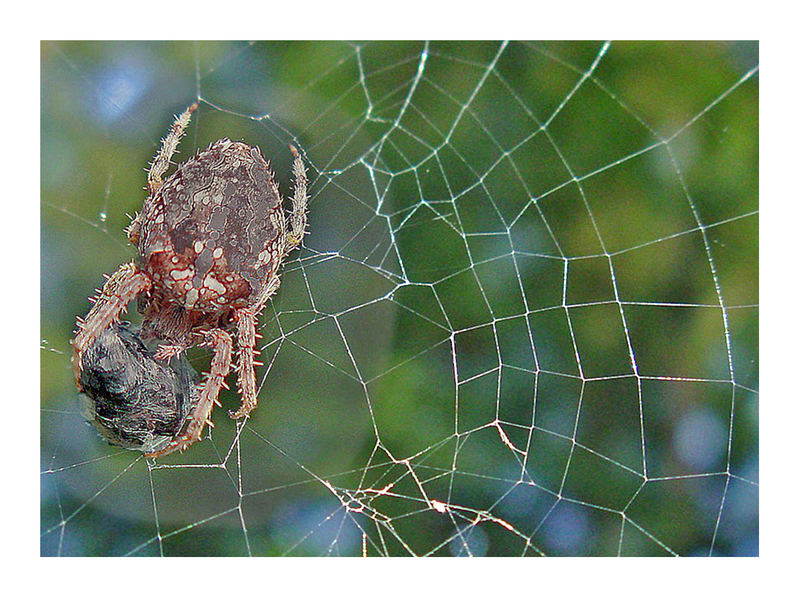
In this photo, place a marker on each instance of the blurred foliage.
(489, 243)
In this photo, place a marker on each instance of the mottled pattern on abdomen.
(211, 235)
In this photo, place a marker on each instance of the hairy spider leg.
(246, 320)
(222, 345)
(159, 166)
(169, 144)
(120, 289)
(298, 220)
(246, 339)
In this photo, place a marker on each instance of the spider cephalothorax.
(211, 239)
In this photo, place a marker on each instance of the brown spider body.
(211, 239)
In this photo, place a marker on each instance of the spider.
(211, 239)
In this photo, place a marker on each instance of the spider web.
(524, 321)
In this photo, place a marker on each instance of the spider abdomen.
(214, 233)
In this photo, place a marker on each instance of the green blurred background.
(524, 320)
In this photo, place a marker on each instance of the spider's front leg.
(158, 167)
(120, 289)
(222, 344)
(299, 218)
(169, 144)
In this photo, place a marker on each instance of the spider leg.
(120, 289)
(169, 144)
(246, 320)
(298, 219)
(167, 352)
(246, 338)
(222, 344)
